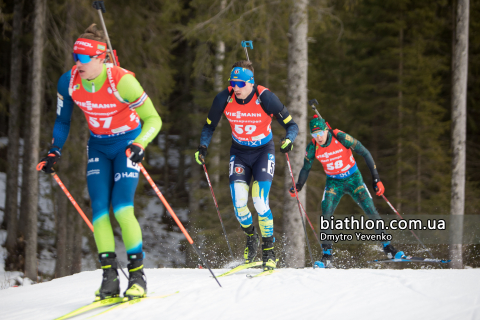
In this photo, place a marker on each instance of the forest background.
(380, 69)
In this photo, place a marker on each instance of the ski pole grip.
(313, 102)
(41, 165)
(247, 44)
(99, 5)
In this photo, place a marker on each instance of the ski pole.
(75, 204)
(313, 229)
(245, 45)
(218, 211)
(174, 216)
(300, 211)
(398, 214)
(69, 196)
(100, 7)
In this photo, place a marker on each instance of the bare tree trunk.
(400, 124)
(297, 106)
(11, 201)
(32, 183)
(194, 181)
(459, 119)
(62, 203)
(219, 86)
(419, 179)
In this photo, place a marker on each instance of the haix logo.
(328, 154)
(239, 114)
(129, 174)
(89, 105)
(118, 175)
(83, 43)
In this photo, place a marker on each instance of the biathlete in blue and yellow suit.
(249, 109)
(333, 148)
(113, 103)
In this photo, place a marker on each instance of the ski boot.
(253, 241)
(110, 286)
(326, 261)
(137, 282)
(391, 252)
(268, 256)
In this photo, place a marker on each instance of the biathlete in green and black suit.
(333, 148)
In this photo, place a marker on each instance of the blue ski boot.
(391, 252)
(326, 261)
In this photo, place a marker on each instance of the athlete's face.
(320, 138)
(242, 93)
(90, 70)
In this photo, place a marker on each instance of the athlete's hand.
(286, 146)
(46, 164)
(378, 186)
(135, 152)
(200, 155)
(292, 191)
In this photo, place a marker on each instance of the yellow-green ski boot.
(137, 282)
(268, 255)
(253, 241)
(110, 286)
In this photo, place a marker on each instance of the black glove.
(200, 155)
(46, 164)
(298, 187)
(136, 153)
(286, 146)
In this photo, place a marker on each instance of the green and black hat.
(317, 124)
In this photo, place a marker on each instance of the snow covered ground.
(288, 294)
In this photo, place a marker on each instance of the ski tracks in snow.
(338, 294)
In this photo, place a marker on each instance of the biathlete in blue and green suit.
(113, 103)
(249, 110)
(333, 148)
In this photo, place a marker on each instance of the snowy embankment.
(288, 294)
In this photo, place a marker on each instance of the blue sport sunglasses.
(318, 133)
(239, 84)
(83, 58)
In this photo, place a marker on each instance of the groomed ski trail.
(290, 294)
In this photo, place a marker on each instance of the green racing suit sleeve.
(130, 90)
(307, 164)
